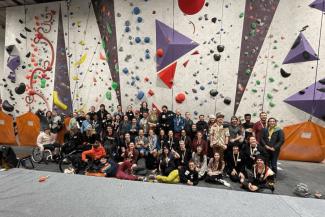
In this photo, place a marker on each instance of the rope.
(317, 66)
(266, 73)
(220, 43)
(172, 51)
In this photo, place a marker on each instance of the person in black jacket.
(272, 139)
(189, 175)
(110, 143)
(183, 155)
(252, 150)
(236, 165)
(202, 126)
(167, 162)
(102, 113)
(165, 120)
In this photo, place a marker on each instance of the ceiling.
(12, 3)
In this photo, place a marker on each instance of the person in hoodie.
(236, 165)
(95, 153)
(272, 138)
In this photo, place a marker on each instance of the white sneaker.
(225, 183)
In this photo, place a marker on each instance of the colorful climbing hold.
(136, 10)
(140, 95)
(114, 85)
(180, 98)
(160, 52)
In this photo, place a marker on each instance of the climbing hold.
(125, 70)
(302, 92)
(139, 19)
(284, 73)
(147, 56)
(10, 48)
(202, 87)
(247, 71)
(43, 82)
(321, 89)
(108, 95)
(160, 52)
(216, 57)
(167, 74)
(58, 102)
(220, 48)
(150, 92)
(7, 106)
(137, 40)
(214, 20)
(180, 98)
(322, 81)
(20, 89)
(227, 100)
(114, 85)
(241, 15)
(214, 92)
(140, 95)
(190, 7)
(253, 25)
(80, 61)
(13, 62)
(127, 29)
(136, 10)
(146, 40)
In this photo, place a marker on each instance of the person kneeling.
(215, 169)
(262, 177)
(186, 175)
(236, 165)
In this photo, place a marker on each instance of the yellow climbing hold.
(57, 101)
(81, 61)
(75, 78)
(82, 43)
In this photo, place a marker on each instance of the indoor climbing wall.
(91, 82)
(286, 65)
(169, 58)
(29, 58)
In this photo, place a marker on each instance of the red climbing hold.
(167, 74)
(180, 97)
(160, 52)
(190, 7)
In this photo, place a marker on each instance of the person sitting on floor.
(215, 169)
(261, 178)
(131, 154)
(236, 165)
(95, 153)
(186, 175)
(183, 155)
(200, 160)
(166, 163)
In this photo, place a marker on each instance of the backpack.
(8, 157)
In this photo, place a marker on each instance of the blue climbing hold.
(127, 29)
(147, 56)
(132, 83)
(147, 50)
(140, 95)
(146, 39)
(137, 39)
(139, 19)
(125, 70)
(136, 10)
(137, 78)
(202, 87)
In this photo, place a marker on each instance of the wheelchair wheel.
(65, 164)
(37, 155)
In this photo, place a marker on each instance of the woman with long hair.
(215, 169)
(200, 160)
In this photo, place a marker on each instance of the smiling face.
(216, 156)
(263, 116)
(259, 162)
(271, 122)
(191, 165)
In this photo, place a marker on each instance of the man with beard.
(251, 151)
(259, 126)
(166, 119)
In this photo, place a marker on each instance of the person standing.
(272, 138)
(219, 136)
(259, 126)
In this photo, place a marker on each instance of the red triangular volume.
(167, 74)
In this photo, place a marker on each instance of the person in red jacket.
(95, 153)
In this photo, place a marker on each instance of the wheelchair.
(46, 155)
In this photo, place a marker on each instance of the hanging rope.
(266, 72)
(314, 106)
(173, 52)
(220, 43)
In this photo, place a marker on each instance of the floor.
(290, 174)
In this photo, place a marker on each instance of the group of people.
(165, 146)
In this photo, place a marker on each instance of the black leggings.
(213, 179)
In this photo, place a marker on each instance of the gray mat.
(21, 195)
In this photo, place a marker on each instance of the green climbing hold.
(103, 44)
(114, 85)
(254, 90)
(276, 66)
(252, 32)
(116, 68)
(241, 15)
(269, 96)
(258, 82)
(271, 104)
(271, 79)
(254, 114)
(253, 25)
(43, 82)
(109, 29)
(247, 71)
(108, 95)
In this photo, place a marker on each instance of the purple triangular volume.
(107, 28)
(173, 43)
(61, 80)
(318, 4)
(303, 100)
(252, 40)
(301, 51)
